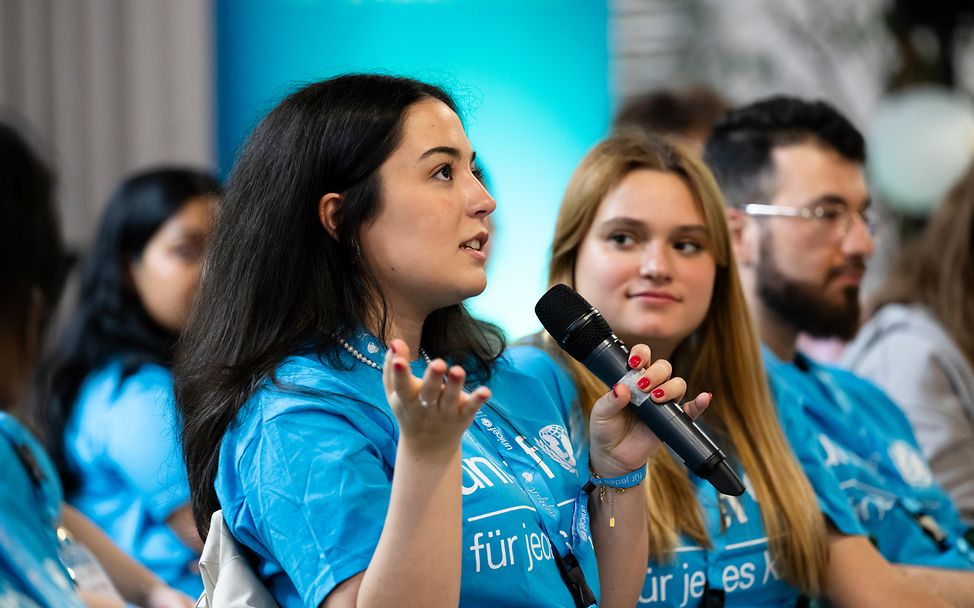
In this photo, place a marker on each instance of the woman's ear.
(327, 210)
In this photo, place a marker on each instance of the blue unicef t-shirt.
(870, 448)
(306, 468)
(122, 440)
(31, 573)
(739, 567)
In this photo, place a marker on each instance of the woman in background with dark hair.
(110, 416)
(31, 273)
(350, 236)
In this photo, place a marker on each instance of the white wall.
(108, 86)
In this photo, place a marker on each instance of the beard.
(802, 305)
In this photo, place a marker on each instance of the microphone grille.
(561, 306)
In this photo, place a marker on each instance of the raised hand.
(432, 413)
(620, 442)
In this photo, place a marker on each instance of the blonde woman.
(642, 235)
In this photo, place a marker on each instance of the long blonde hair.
(937, 270)
(722, 357)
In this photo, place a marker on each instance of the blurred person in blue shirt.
(110, 414)
(798, 209)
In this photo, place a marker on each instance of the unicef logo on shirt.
(553, 441)
(910, 464)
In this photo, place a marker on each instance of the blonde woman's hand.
(432, 414)
(620, 442)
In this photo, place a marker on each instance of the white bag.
(228, 579)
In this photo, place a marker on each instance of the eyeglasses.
(833, 218)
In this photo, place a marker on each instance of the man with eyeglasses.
(798, 210)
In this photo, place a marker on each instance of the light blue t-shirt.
(31, 573)
(739, 567)
(870, 448)
(123, 442)
(305, 475)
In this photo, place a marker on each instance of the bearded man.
(798, 209)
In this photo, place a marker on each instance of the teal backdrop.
(531, 76)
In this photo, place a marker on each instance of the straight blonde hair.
(722, 357)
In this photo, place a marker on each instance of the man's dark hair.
(738, 150)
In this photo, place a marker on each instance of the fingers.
(402, 382)
(432, 385)
(639, 356)
(612, 402)
(397, 348)
(440, 389)
(671, 390)
(697, 406)
(453, 388)
(656, 379)
(475, 400)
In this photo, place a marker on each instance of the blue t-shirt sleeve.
(831, 498)
(314, 477)
(143, 441)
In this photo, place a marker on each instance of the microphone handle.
(667, 420)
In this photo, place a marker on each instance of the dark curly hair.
(738, 150)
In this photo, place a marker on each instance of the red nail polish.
(392, 347)
(399, 366)
(614, 392)
(642, 382)
(635, 361)
(658, 393)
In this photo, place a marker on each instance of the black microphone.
(580, 330)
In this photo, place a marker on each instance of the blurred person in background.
(32, 270)
(641, 234)
(798, 209)
(684, 114)
(110, 415)
(918, 345)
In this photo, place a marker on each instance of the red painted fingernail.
(658, 393)
(635, 361)
(642, 382)
(614, 392)
(392, 347)
(399, 366)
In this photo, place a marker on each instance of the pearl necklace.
(365, 360)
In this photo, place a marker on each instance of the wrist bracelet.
(622, 482)
(618, 484)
